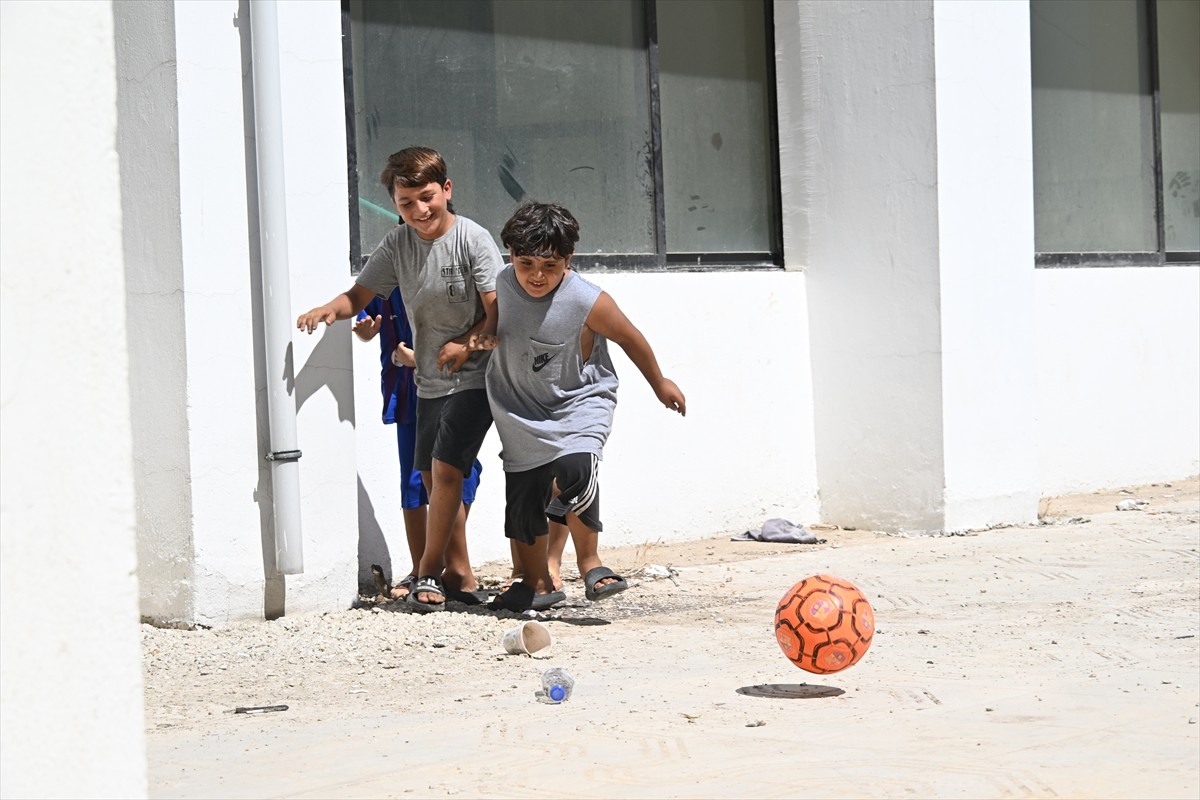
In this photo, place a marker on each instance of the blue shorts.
(412, 490)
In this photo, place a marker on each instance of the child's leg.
(412, 505)
(456, 552)
(577, 500)
(458, 573)
(587, 550)
(450, 431)
(445, 505)
(525, 526)
(515, 574)
(414, 532)
(555, 548)
(554, 554)
(532, 560)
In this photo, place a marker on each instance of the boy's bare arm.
(344, 306)
(455, 352)
(485, 338)
(610, 322)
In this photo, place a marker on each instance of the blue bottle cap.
(558, 693)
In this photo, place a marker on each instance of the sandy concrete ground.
(1053, 661)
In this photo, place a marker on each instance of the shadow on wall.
(326, 359)
(372, 547)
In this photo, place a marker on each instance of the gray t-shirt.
(440, 282)
(546, 400)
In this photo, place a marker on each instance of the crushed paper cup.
(529, 638)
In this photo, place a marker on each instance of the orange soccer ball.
(824, 624)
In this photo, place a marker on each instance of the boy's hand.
(403, 356)
(452, 356)
(670, 396)
(483, 341)
(309, 320)
(367, 327)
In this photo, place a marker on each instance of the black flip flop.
(598, 574)
(475, 598)
(521, 597)
(518, 597)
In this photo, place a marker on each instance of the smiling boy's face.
(424, 208)
(539, 275)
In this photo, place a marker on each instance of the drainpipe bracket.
(284, 455)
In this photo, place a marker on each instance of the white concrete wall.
(985, 254)
(211, 347)
(735, 342)
(70, 663)
(1118, 376)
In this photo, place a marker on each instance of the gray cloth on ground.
(777, 530)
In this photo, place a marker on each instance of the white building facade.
(919, 344)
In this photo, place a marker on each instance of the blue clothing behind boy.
(396, 382)
(400, 400)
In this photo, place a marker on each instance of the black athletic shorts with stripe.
(530, 497)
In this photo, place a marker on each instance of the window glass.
(1179, 104)
(554, 101)
(715, 108)
(574, 115)
(1093, 138)
(525, 99)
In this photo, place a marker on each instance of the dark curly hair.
(541, 229)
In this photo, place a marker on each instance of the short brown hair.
(413, 167)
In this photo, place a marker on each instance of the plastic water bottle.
(557, 684)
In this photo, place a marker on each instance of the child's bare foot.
(401, 590)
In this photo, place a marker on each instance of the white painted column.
(71, 721)
(985, 255)
(907, 172)
(148, 132)
(863, 121)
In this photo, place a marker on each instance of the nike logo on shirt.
(541, 360)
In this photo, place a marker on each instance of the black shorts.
(451, 429)
(530, 497)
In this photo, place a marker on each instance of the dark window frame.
(1157, 258)
(661, 260)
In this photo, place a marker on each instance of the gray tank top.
(546, 400)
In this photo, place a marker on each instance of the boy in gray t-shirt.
(553, 390)
(445, 267)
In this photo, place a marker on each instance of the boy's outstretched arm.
(344, 306)
(610, 322)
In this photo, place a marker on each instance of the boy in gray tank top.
(553, 390)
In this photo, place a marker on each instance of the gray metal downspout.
(277, 302)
